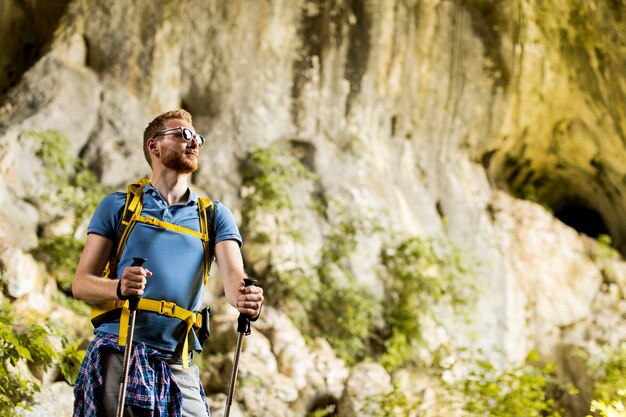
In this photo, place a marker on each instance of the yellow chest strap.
(166, 308)
(171, 226)
(132, 215)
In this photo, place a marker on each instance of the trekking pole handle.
(133, 305)
(249, 281)
(133, 300)
(243, 322)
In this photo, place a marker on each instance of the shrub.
(326, 299)
(72, 190)
(608, 368)
(61, 255)
(420, 274)
(345, 311)
(332, 303)
(269, 175)
(29, 343)
(520, 390)
(76, 190)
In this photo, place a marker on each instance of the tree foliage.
(609, 390)
(28, 346)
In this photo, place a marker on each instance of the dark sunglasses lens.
(187, 135)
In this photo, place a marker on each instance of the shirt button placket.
(167, 215)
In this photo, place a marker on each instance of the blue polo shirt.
(176, 260)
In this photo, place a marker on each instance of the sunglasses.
(187, 134)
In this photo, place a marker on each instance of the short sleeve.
(107, 216)
(225, 225)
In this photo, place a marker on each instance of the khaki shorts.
(188, 381)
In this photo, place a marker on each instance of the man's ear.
(152, 147)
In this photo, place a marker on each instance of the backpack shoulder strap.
(132, 209)
(206, 211)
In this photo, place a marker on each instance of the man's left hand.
(249, 300)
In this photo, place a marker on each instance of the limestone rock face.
(20, 271)
(499, 125)
(556, 278)
(25, 29)
(367, 382)
(53, 400)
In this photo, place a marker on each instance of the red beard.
(180, 162)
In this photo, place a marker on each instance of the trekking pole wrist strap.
(118, 292)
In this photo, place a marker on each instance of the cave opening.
(570, 193)
(581, 217)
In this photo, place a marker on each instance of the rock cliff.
(499, 126)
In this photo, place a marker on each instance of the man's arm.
(88, 284)
(247, 300)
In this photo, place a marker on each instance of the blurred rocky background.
(431, 192)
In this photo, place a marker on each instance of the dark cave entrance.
(587, 202)
(586, 220)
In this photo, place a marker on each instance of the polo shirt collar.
(193, 197)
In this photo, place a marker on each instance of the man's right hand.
(133, 281)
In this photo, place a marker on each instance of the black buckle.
(204, 331)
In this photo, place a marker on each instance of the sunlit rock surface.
(427, 118)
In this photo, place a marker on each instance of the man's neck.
(172, 186)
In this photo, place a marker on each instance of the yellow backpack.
(130, 216)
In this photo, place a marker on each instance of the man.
(174, 272)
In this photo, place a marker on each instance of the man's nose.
(195, 142)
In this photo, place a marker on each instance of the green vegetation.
(71, 191)
(605, 249)
(73, 188)
(328, 410)
(327, 299)
(270, 175)
(395, 403)
(608, 369)
(70, 360)
(529, 192)
(423, 280)
(526, 389)
(344, 311)
(616, 408)
(520, 390)
(420, 275)
(28, 343)
(61, 255)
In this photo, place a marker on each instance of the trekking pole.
(243, 329)
(133, 304)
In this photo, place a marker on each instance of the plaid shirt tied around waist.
(151, 384)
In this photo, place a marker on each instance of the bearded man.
(167, 232)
